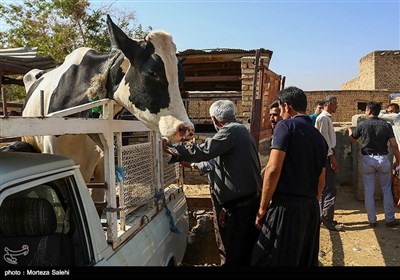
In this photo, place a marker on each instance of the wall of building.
(378, 70)
(387, 70)
(349, 101)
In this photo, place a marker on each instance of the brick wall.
(248, 68)
(378, 70)
(348, 101)
(387, 70)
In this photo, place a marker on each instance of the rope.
(172, 225)
(98, 84)
(96, 109)
(119, 174)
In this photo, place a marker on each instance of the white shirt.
(325, 125)
(394, 120)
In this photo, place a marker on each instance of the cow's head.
(150, 87)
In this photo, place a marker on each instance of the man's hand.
(334, 163)
(350, 130)
(260, 217)
(186, 164)
(166, 148)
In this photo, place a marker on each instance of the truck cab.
(48, 217)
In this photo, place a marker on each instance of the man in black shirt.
(289, 213)
(375, 134)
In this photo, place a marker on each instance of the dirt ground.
(357, 245)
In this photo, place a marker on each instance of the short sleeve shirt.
(306, 151)
(375, 133)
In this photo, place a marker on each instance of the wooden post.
(257, 98)
(4, 100)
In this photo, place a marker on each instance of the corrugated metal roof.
(222, 51)
(21, 60)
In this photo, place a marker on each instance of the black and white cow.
(142, 76)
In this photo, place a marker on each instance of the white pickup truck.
(48, 217)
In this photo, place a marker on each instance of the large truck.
(48, 216)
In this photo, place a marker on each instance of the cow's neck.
(103, 84)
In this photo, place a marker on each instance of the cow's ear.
(182, 59)
(119, 40)
(181, 71)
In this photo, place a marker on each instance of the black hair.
(374, 107)
(395, 105)
(274, 104)
(294, 97)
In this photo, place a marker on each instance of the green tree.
(57, 27)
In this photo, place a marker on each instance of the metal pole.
(42, 103)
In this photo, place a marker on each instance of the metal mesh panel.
(139, 175)
(170, 171)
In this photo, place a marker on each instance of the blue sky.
(316, 44)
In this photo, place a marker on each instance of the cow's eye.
(152, 73)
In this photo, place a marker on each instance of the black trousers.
(328, 198)
(237, 237)
(290, 233)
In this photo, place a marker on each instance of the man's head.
(292, 100)
(373, 109)
(319, 106)
(222, 112)
(330, 104)
(274, 113)
(392, 108)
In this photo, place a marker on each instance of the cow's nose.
(191, 132)
(186, 131)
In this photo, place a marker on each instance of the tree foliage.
(57, 27)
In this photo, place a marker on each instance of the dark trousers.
(237, 237)
(290, 233)
(328, 197)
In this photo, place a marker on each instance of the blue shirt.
(313, 117)
(306, 151)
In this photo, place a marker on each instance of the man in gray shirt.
(236, 182)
